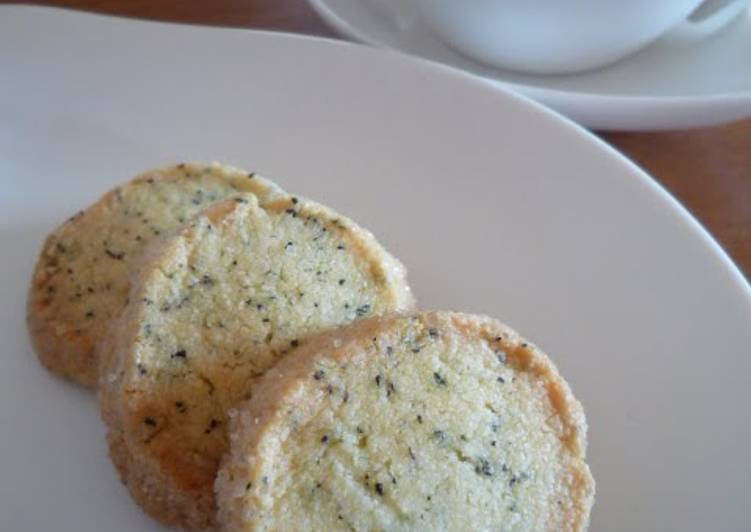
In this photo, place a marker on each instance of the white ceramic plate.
(674, 83)
(496, 205)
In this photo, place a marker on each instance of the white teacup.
(559, 36)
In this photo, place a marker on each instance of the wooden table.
(709, 170)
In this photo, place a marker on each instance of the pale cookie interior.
(426, 423)
(219, 304)
(82, 278)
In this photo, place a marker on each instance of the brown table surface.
(709, 170)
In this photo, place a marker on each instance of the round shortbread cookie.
(434, 421)
(214, 307)
(81, 279)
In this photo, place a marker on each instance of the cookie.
(212, 309)
(432, 421)
(80, 282)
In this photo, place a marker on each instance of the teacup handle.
(710, 17)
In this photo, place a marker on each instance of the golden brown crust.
(288, 388)
(172, 483)
(69, 311)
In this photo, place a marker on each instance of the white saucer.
(670, 84)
